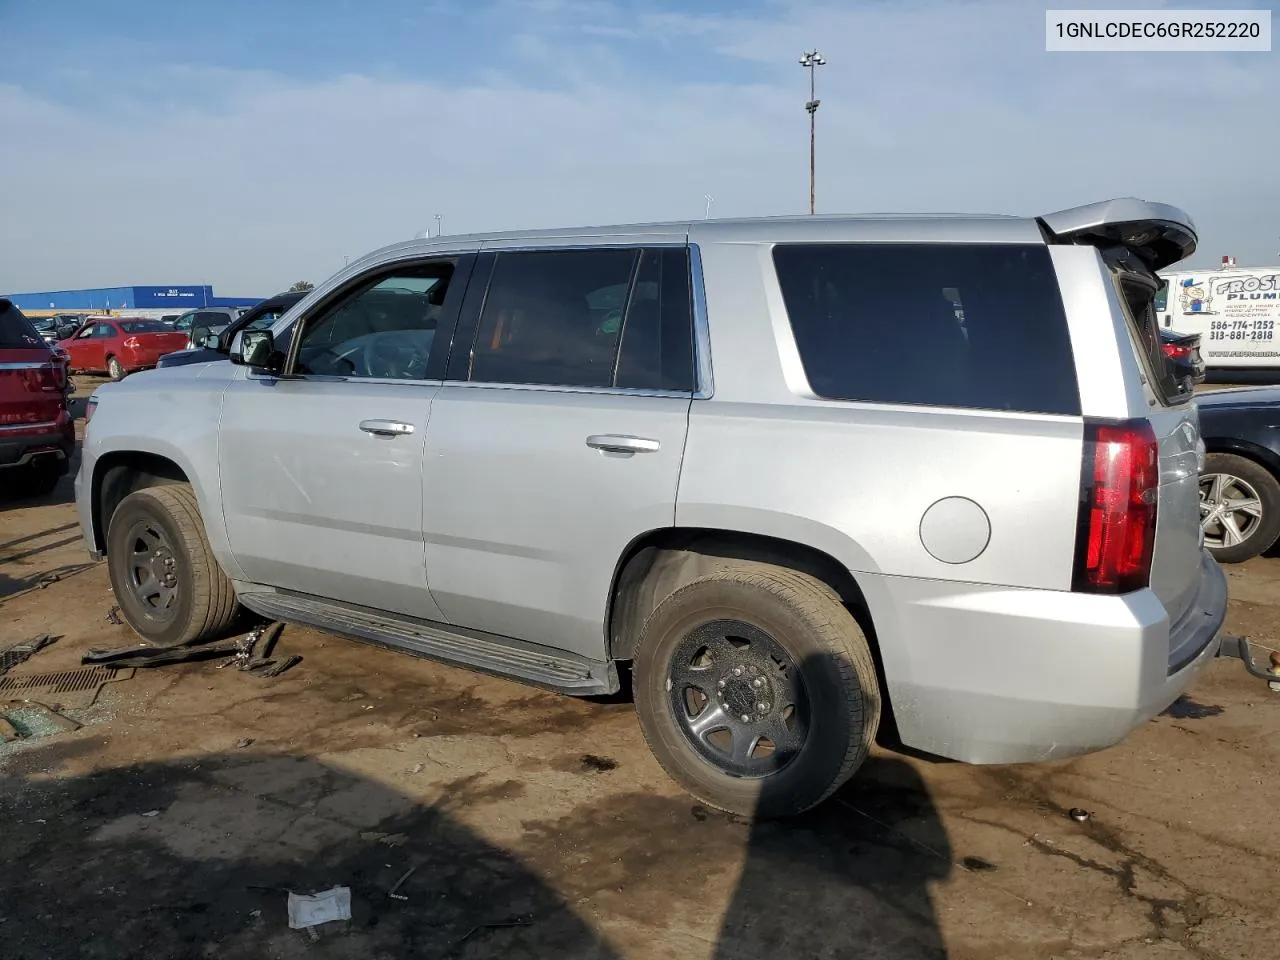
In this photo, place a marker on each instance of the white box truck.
(1236, 311)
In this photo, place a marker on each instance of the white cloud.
(251, 180)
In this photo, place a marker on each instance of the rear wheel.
(115, 369)
(163, 572)
(756, 690)
(1239, 507)
(37, 479)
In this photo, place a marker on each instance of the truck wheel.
(1239, 507)
(115, 369)
(756, 690)
(164, 575)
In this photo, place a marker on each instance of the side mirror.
(257, 349)
(198, 336)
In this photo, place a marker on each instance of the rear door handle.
(616, 443)
(386, 428)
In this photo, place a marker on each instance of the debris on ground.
(244, 742)
(1078, 814)
(10, 657)
(400, 883)
(113, 616)
(49, 580)
(314, 910)
(30, 720)
(598, 764)
(249, 654)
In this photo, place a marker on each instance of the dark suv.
(37, 434)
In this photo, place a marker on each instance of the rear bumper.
(19, 448)
(1010, 676)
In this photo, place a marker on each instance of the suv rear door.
(558, 434)
(1136, 239)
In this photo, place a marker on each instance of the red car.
(120, 345)
(37, 435)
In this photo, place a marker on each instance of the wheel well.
(116, 475)
(1243, 448)
(660, 562)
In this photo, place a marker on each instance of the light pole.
(439, 229)
(811, 60)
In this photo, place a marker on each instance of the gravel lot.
(539, 825)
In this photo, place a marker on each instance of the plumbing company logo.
(1197, 296)
(1252, 288)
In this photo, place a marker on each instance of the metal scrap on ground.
(251, 654)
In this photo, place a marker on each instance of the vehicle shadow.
(196, 857)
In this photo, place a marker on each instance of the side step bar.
(555, 670)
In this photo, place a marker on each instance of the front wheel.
(115, 369)
(1239, 507)
(164, 575)
(756, 690)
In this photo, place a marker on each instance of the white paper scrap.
(317, 908)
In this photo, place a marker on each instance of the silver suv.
(803, 475)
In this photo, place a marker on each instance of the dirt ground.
(174, 821)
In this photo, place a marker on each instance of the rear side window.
(15, 329)
(604, 317)
(977, 326)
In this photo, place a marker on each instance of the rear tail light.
(1176, 351)
(90, 406)
(1120, 487)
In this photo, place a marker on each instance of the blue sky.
(252, 144)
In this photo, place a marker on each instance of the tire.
(765, 610)
(198, 603)
(1229, 479)
(115, 369)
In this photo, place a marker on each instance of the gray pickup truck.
(800, 474)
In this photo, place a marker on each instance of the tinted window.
(657, 338)
(145, 326)
(587, 318)
(207, 318)
(104, 330)
(553, 317)
(383, 330)
(1162, 298)
(16, 330)
(957, 325)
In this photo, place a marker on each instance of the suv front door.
(558, 435)
(321, 467)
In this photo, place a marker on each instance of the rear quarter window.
(16, 330)
(977, 326)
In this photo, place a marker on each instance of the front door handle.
(386, 428)
(616, 443)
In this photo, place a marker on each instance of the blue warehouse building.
(175, 299)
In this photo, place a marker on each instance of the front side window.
(604, 317)
(383, 330)
(978, 326)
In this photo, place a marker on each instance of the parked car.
(214, 346)
(1183, 351)
(120, 346)
(37, 434)
(211, 319)
(715, 451)
(1240, 482)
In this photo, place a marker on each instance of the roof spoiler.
(1159, 234)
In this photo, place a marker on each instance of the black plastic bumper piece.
(1238, 648)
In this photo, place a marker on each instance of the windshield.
(145, 326)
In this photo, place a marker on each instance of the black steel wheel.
(738, 696)
(756, 689)
(165, 578)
